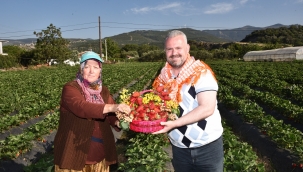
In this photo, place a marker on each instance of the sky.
(80, 19)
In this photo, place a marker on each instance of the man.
(196, 136)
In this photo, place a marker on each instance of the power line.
(45, 28)
(147, 28)
(110, 26)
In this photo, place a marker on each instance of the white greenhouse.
(282, 54)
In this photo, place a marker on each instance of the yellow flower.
(124, 96)
(172, 104)
(151, 97)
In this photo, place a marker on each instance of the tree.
(15, 51)
(112, 47)
(130, 47)
(144, 48)
(51, 45)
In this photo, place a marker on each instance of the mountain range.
(157, 37)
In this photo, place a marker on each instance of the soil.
(276, 159)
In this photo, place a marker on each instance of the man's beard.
(174, 64)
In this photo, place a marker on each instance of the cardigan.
(73, 138)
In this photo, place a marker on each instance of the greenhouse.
(282, 54)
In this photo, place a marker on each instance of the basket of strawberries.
(148, 109)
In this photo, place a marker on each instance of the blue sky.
(79, 18)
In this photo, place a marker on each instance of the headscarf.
(91, 90)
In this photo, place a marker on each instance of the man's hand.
(169, 125)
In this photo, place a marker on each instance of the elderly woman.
(84, 140)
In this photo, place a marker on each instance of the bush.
(8, 61)
(153, 56)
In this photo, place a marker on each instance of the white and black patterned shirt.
(201, 132)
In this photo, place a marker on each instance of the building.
(1, 50)
(281, 54)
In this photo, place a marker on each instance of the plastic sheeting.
(282, 54)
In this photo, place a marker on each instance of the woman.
(84, 140)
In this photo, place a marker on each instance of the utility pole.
(100, 41)
(105, 49)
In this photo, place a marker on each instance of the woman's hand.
(117, 123)
(124, 108)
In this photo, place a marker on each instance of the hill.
(238, 34)
(135, 37)
(157, 37)
(292, 35)
(20, 41)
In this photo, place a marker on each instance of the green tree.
(15, 51)
(112, 47)
(155, 55)
(51, 45)
(130, 47)
(144, 48)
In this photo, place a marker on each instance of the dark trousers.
(207, 158)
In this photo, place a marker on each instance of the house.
(1, 50)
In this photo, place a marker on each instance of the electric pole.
(105, 49)
(100, 41)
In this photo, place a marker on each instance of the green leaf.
(124, 125)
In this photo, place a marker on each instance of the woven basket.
(147, 126)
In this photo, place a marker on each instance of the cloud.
(242, 2)
(162, 7)
(187, 9)
(220, 8)
(299, 1)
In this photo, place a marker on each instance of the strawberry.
(139, 119)
(160, 89)
(166, 97)
(139, 100)
(140, 115)
(132, 99)
(140, 108)
(151, 105)
(162, 113)
(164, 93)
(135, 94)
(157, 110)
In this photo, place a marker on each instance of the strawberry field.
(261, 105)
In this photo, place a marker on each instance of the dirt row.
(279, 160)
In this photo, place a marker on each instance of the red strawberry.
(140, 115)
(164, 93)
(151, 105)
(139, 119)
(140, 108)
(166, 97)
(136, 94)
(132, 99)
(160, 89)
(139, 100)
(157, 109)
(162, 113)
